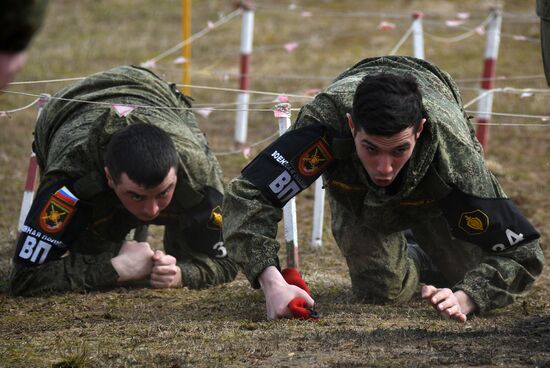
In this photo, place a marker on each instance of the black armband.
(494, 224)
(291, 163)
(205, 233)
(55, 220)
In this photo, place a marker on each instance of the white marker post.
(418, 35)
(485, 103)
(32, 170)
(318, 213)
(243, 99)
(282, 113)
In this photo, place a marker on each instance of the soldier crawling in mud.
(102, 175)
(398, 155)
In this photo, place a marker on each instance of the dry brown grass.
(226, 326)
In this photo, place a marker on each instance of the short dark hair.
(385, 104)
(144, 152)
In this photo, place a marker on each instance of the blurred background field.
(299, 46)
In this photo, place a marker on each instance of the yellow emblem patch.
(314, 159)
(215, 220)
(474, 222)
(55, 215)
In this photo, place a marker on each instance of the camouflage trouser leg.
(379, 267)
(453, 257)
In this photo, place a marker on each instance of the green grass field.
(226, 325)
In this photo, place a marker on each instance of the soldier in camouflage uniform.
(19, 20)
(103, 174)
(397, 153)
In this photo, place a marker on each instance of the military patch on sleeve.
(215, 220)
(204, 234)
(291, 163)
(494, 224)
(58, 211)
(55, 220)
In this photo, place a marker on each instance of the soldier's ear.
(350, 124)
(109, 178)
(420, 128)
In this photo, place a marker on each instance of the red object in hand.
(299, 310)
(298, 305)
(292, 276)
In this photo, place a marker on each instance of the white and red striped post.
(318, 213)
(32, 171)
(485, 103)
(243, 99)
(282, 113)
(418, 35)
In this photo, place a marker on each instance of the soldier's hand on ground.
(278, 293)
(166, 273)
(134, 261)
(455, 305)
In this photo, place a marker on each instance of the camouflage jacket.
(20, 19)
(447, 155)
(70, 138)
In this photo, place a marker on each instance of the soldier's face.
(144, 203)
(384, 157)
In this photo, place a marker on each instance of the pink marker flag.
(122, 110)
(180, 60)
(463, 15)
(306, 14)
(384, 26)
(149, 64)
(281, 98)
(291, 46)
(519, 38)
(210, 25)
(454, 23)
(246, 152)
(205, 111)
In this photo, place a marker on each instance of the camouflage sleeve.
(20, 19)
(200, 270)
(501, 278)
(55, 250)
(251, 219)
(250, 228)
(75, 272)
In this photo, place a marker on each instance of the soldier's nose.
(151, 208)
(384, 166)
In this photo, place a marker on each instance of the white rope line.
(465, 80)
(241, 150)
(8, 112)
(460, 37)
(47, 81)
(401, 41)
(541, 117)
(195, 36)
(245, 91)
(232, 74)
(507, 90)
(109, 104)
(538, 125)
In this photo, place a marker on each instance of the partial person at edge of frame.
(543, 11)
(412, 201)
(19, 20)
(103, 175)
